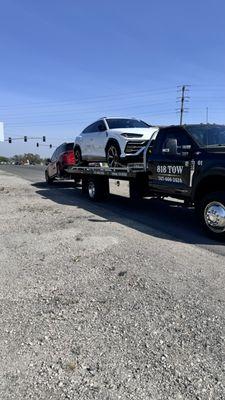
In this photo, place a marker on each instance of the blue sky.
(64, 64)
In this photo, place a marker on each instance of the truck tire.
(97, 188)
(211, 212)
(59, 174)
(48, 180)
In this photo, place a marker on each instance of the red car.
(62, 158)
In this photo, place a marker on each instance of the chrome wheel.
(91, 190)
(113, 156)
(214, 215)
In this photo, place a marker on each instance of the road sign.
(1, 132)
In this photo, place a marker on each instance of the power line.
(73, 121)
(86, 111)
(88, 99)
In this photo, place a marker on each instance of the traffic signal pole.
(25, 138)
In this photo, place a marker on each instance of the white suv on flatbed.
(115, 140)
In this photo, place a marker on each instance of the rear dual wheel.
(97, 188)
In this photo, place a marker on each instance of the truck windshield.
(208, 135)
(114, 123)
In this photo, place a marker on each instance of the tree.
(30, 157)
(3, 159)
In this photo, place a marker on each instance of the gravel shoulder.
(92, 308)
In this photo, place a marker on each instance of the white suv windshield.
(125, 123)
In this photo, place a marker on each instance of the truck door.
(170, 164)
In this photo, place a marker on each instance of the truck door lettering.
(170, 169)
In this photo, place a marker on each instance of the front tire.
(48, 180)
(59, 174)
(113, 153)
(211, 213)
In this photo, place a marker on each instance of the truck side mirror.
(170, 147)
(186, 150)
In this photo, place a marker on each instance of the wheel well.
(209, 184)
(111, 141)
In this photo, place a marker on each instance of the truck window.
(180, 137)
(101, 126)
(91, 128)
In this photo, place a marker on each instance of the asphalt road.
(33, 173)
(165, 217)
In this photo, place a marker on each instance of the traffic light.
(10, 140)
(50, 146)
(25, 138)
(37, 144)
(44, 138)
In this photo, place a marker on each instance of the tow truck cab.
(188, 162)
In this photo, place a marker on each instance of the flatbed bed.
(95, 179)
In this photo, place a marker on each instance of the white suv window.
(94, 127)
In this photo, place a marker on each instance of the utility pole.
(183, 99)
(182, 105)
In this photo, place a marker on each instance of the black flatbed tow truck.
(184, 162)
